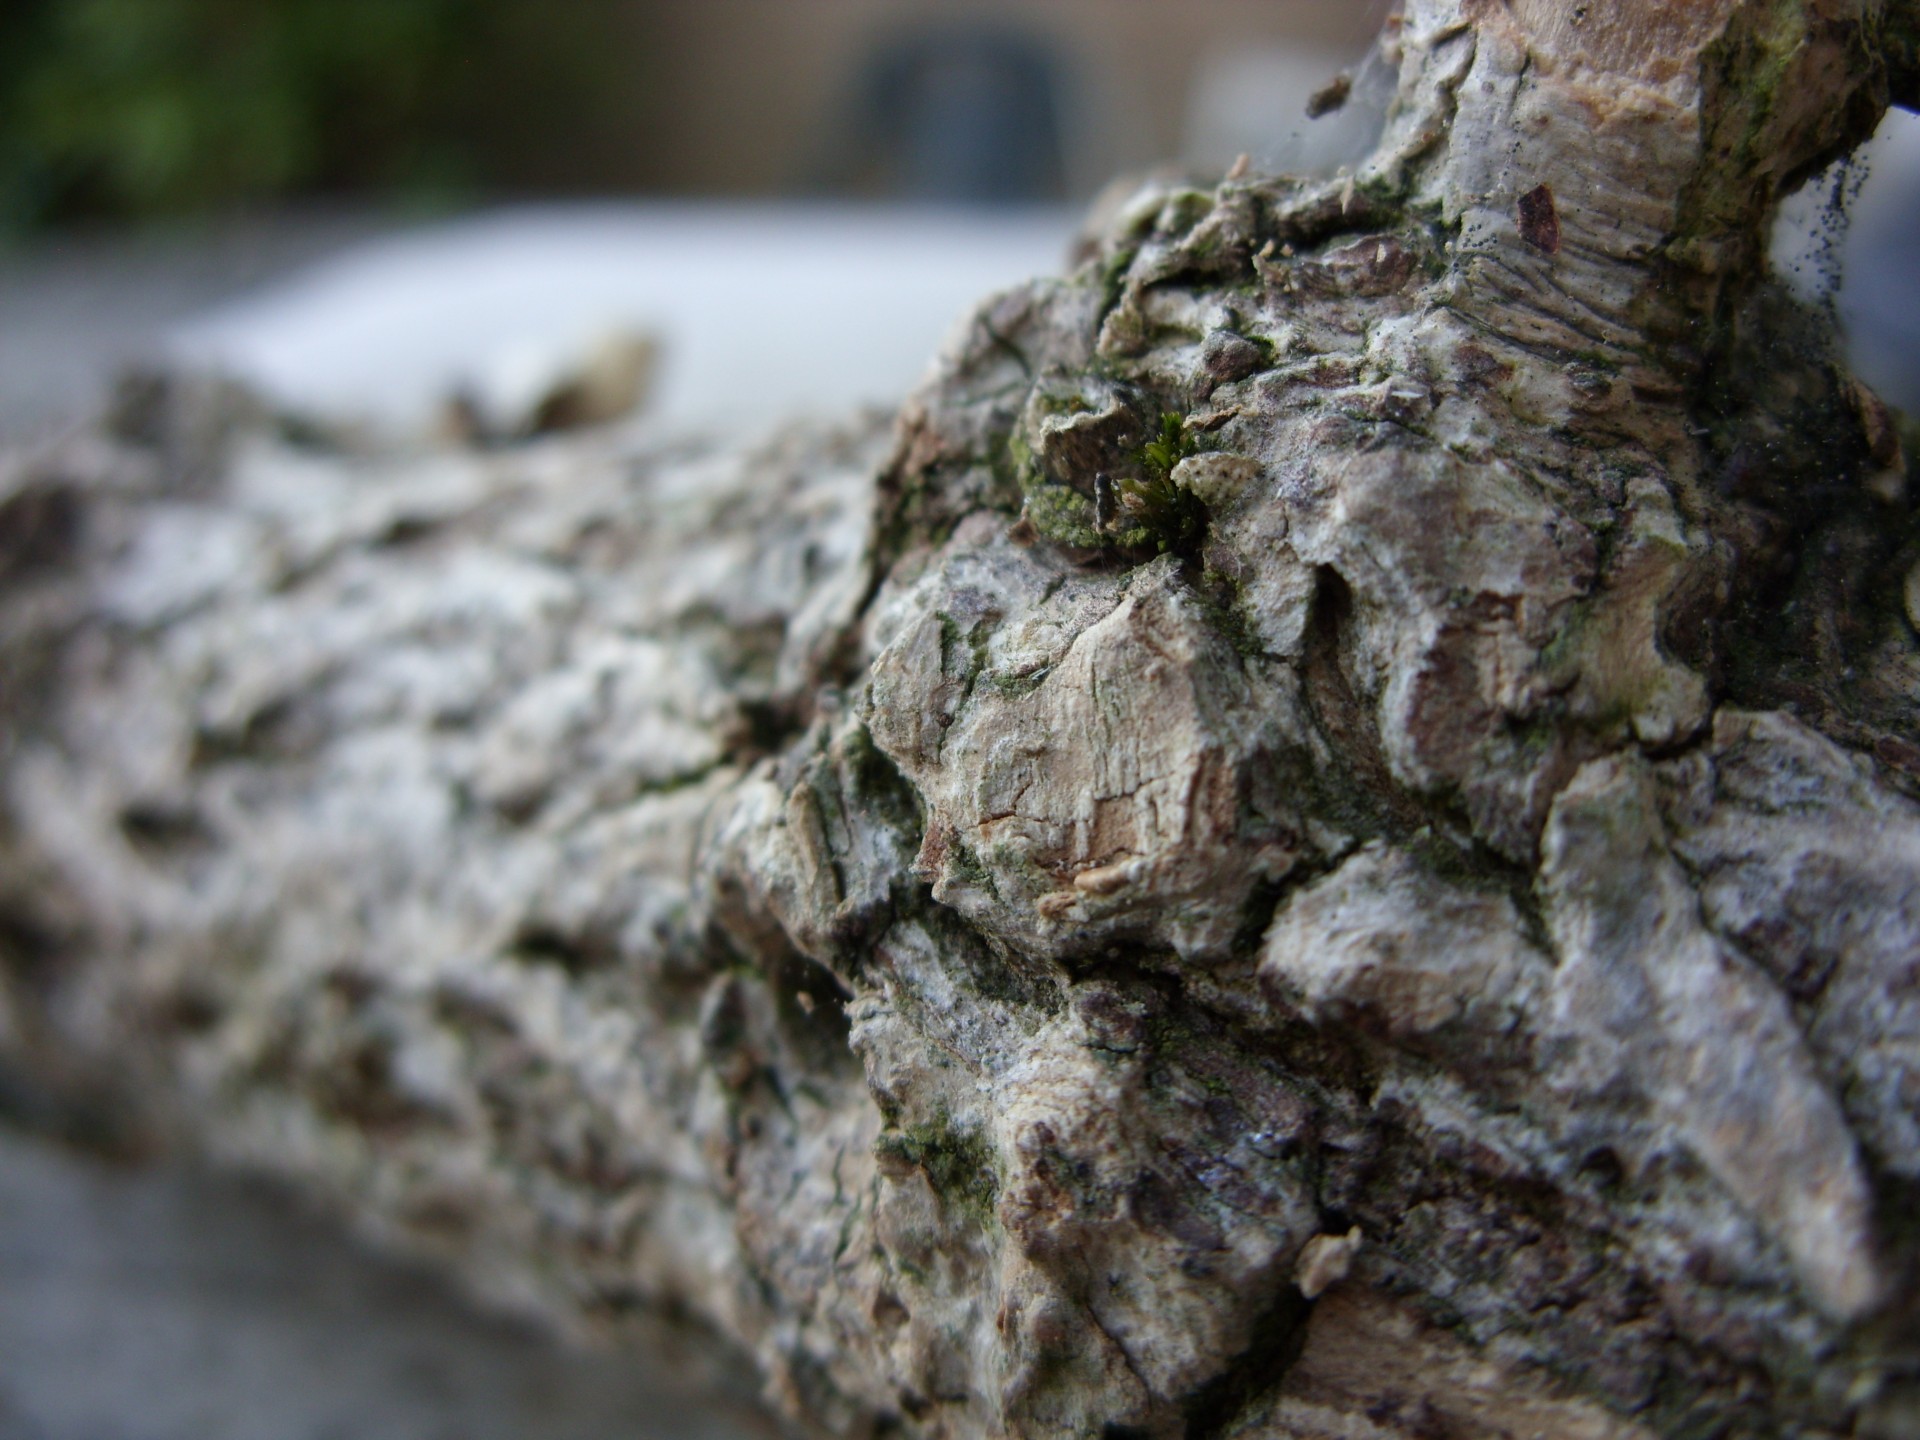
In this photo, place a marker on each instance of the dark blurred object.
(136, 108)
(954, 114)
(754, 97)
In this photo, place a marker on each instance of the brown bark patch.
(1540, 220)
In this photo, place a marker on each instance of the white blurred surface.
(761, 311)
(77, 306)
(1864, 257)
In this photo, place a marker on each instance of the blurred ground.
(173, 1305)
(761, 312)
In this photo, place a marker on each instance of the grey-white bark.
(1319, 840)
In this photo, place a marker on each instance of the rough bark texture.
(1320, 841)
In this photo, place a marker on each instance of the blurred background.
(468, 195)
(434, 219)
(137, 109)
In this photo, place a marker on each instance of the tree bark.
(1320, 840)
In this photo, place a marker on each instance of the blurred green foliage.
(138, 108)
